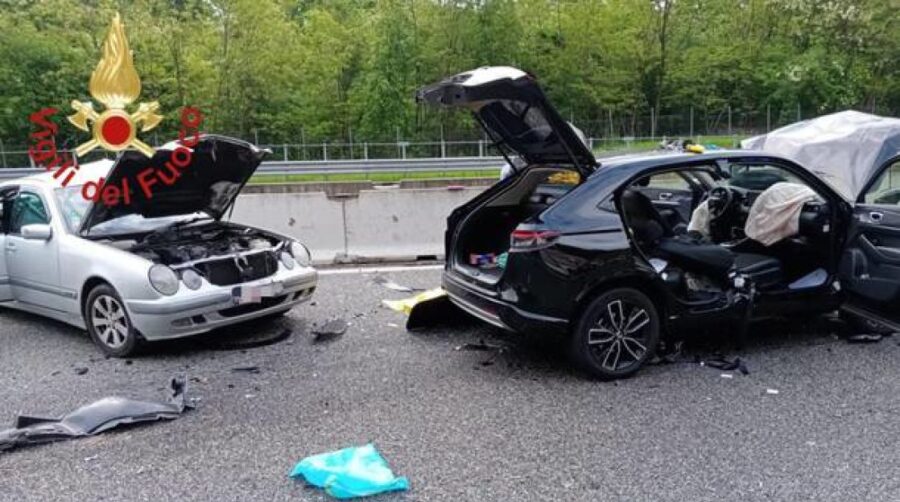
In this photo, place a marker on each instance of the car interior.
(485, 237)
(690, 224)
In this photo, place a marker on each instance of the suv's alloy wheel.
(108, 322)
(616, 334)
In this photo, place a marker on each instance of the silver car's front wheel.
(108, 322)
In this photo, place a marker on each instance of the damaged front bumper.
(210, 307)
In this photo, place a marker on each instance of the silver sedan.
(163, 266)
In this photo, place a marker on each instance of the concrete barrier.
(373, 225)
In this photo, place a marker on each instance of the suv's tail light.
(530, 240)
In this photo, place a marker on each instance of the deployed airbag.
(775, 215)
(700, 220)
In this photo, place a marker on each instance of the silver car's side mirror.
(37, 232)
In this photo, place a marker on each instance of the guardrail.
(278, 167)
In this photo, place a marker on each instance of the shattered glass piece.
(351, 472)
(658, 264)
(99, 416)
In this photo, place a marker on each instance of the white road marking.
(375, 270)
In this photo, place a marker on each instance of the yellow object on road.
(693, 148)
(406, 305)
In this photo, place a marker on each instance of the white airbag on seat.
(775, 215)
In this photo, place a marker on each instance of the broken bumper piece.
(100, 416)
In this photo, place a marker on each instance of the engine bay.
(179, 246)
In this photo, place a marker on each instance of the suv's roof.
(665, 157)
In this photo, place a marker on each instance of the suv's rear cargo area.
(482, 243)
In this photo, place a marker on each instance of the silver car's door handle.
(10, 247)
(665, 196)
(876, 217)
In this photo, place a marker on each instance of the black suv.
(606, 253)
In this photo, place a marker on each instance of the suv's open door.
(870, 265)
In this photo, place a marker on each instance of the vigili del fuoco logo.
(116, 85)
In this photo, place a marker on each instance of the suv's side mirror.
(37, 232)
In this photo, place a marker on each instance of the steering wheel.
(718, 201)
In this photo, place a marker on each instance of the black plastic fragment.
(436, 312)
(865, 338)
(99, 416)
(330, 330)
(723, 364)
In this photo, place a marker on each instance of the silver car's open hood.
(218, 170)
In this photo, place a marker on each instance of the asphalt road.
(522, 427)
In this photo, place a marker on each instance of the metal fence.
(437, 167)
(400, 150)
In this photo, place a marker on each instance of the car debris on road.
(428, 309)
(330, 330)
(383, 281)
(99, 416)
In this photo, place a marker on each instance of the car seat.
(691, 251)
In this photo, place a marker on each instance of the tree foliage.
(292, 70)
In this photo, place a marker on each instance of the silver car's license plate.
(254, 294)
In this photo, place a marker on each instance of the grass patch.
(612, 145)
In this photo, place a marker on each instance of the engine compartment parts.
(179, 245)
(99, 416)
(350, 473)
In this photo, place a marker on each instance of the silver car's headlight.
(164, 279)
(300, 253)
(287, 260)
(191, 279)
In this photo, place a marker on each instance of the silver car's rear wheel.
(108, 322)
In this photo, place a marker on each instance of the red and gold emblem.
(115, 84)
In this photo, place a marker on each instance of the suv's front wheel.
(108, 322)
(617, 333)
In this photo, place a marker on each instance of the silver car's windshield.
(74, 207)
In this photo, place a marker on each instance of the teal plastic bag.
(351, 472)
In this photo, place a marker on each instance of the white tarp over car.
(845, 149)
